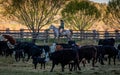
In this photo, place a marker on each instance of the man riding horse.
(60, 32)
(61, 27)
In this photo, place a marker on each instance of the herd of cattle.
(63, 53)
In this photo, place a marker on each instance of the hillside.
(6, 23)
(100, 26)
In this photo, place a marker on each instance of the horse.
(58, 34)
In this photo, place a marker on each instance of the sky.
(100, 1)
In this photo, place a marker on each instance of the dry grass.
(8, 66)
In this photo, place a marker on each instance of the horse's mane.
(10, 39)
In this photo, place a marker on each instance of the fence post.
(46, 35)
(82, 35)
(94, 34)
(98, 37)
(7, 31)
(21, 33)
(116, 34)
(106, 34)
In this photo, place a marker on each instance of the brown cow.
(10, 39)
(58, 47)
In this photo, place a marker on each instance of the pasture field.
(8, 66)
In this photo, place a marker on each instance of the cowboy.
(61, 27)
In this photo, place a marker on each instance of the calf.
(37, 60)
(42, 59)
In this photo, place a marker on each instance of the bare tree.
(34, 14)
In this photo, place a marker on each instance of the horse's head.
(51, 27)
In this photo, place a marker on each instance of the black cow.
(71, 42)
(45, 47)
(19, 53)
(118, 47)
(64, 57)
(22, 49)
(88, 52)
(64, 45)
(28, 48)
(99, 53)
(43, 58)
(111, 51)
(4, 49)
(67, 45)
(109, 42)
(40, 59)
